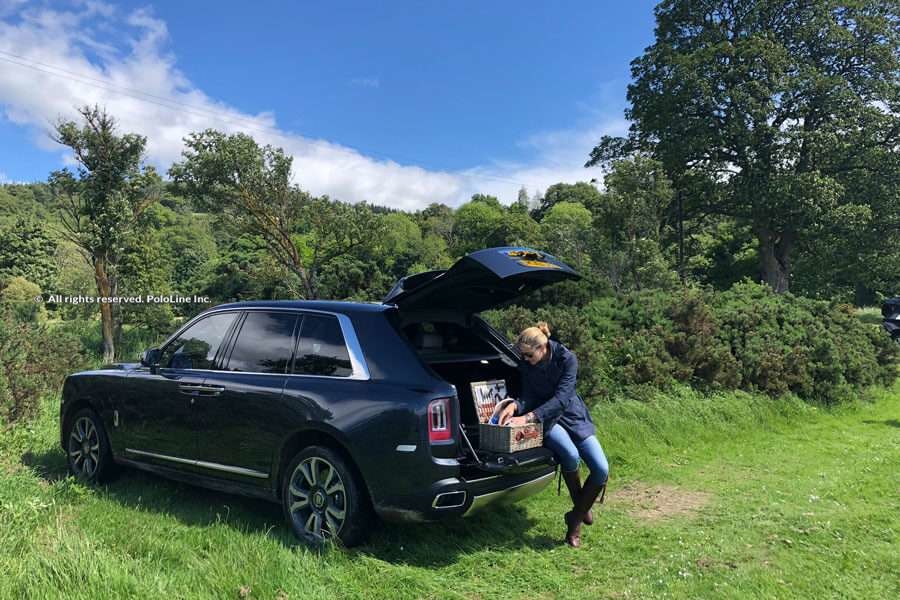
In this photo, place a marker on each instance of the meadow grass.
(789, 501)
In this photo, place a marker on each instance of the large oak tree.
(780, 104)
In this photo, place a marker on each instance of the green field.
(725, 496)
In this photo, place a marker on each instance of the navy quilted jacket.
(548, 390)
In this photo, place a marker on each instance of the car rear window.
(264, 344)
(322, 350)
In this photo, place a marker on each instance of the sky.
(395, 103)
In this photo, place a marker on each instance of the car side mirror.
(150, 358)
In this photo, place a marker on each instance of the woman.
(549, 371)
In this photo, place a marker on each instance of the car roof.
(326, 305)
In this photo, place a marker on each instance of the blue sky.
(395, 103)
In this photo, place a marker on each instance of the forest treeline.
(755, 197)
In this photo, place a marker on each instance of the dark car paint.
(368, 419)
(480, 280)
(890, 310)
(231, 430)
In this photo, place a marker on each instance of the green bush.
(34, 360)
(744, 338)
(89, 337)
(18, 296)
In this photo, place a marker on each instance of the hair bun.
(544, 327)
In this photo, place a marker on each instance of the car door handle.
(198, 389)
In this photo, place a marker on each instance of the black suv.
(890, 310)
(333, 409)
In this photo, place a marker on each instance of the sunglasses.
(528, 354)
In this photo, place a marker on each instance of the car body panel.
(155, 416)
(480, 280)
(890, 310)
(233, 430)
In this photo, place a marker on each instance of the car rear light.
(439, 429)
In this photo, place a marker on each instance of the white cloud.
(3, 178)
(561, 155)
(54, 60)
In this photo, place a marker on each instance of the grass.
(796, 503)
(870, 314)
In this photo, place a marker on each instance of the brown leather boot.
(583, 503)
(573, 482)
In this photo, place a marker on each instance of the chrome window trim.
(202, 463)
(358, 364)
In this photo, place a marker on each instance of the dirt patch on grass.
(658, 501)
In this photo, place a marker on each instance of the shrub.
(33, 361)
(744, 338)
(18, 296)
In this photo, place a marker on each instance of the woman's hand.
(507, 413)
(523, 420)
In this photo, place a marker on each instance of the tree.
(333, 230)
(100, 208)
(26, 250)
(252, 185)
(437, 219)
(145, 268)
(582, 192)
(569, 232)
(629, 217)
(776, 102)
(478, 224)
(522, 200)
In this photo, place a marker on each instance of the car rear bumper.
(457, 496)
(510, 494)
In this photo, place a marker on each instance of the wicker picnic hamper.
(501, 438)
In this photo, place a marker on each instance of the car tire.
(324, 500)
(88, 453)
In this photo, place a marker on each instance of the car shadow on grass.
(49, 466)
(888, 422)
(499, 529)
(426, 544)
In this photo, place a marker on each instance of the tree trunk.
(774, 257)
(107, 324)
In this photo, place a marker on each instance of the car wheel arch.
(315, 437)
(71, 410)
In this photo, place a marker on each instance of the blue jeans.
(568, 452)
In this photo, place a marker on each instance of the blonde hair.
(534, 337)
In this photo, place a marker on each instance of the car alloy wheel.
(317, 498)
(87, 447)
(84, 448)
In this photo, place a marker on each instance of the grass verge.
(774, 497)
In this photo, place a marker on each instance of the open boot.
(573, 483)
(583, 503)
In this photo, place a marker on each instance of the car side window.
(322, 350)
(264, 344)
(196, 347)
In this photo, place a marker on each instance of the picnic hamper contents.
(490, 398)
